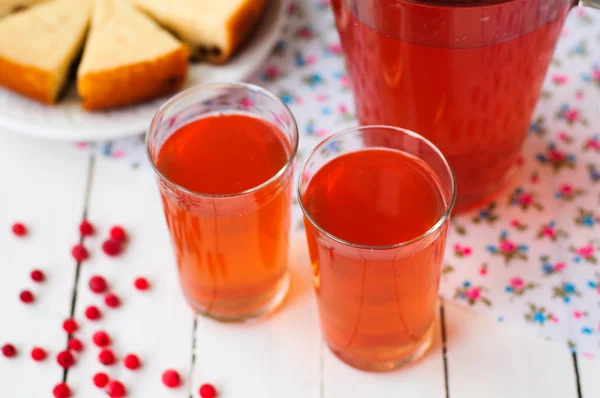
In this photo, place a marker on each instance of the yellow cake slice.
(128, 58)
(38, 45)
(213, 29)
(8, 6)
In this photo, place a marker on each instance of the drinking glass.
(377, 304)
(231, 249)
(464, 74)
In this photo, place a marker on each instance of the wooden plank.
(155, 325)
(424, 378)
(488, 359)
(589, 377)
(273, 358)
(43, 185)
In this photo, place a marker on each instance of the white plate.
(67, 121)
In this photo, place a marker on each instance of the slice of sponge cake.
(213, 29)
(128, 58)
(8, 6)
(38, 45)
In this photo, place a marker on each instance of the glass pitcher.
(465, 74)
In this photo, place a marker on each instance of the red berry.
(118, 233)
(116, 389)
(9, 350)
(207, 391)
(141, 283)
(100, 379)
(111, 247)
(131, 361)
(112, 300)
(38, 354)
(37, 275)
(75, 344)
(171, 378)
(65, 359)
(86, 228)
(93, 313)
(61, 390)
(106, 357)
(101, 339)
(98, 284)
(27, 297)
(19, 229)
(70, 326)
(79, 253)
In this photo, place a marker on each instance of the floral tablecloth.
(530, 258)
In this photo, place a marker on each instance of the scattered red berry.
(118, 233)
(111, 247)
(65, 359)
(19, 229)
(9, 350)
(37, 275)
(171, 378)
(207, 391)
(27, 297)
(107, 357)
(100, 379)
(38, 354)
(70, 326)
(86, 228)
(93, 313)
(116, 389)
(98, 284)
(101, 339)
(131, 361)
(112, 300)
(141, 283)
(61, 390)
(75, 345)
(79, 252)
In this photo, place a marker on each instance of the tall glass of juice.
(376, 217)
(223, 156)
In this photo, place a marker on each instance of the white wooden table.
(51, 187)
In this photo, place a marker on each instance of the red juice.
(375, 305)
(231, 250)
(464, 74)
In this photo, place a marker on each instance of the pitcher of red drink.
(465, 74)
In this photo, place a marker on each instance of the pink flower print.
(271, 72)
(581, 12)
(566, 189)
(335, 48)
(598, 290)
(473, 293)
(310, 60)
(507, 246)
(119, 153)
(246, 102)
(554, 319)
(596, 74)
(305, 32)
(520, 161)
(572, 115)
(525, 199)
(563, 136)
(579, 95)
(593, 143)
(321, 98)
(462, 251)
(560, 79)
(555, 155)
(483, 271)
(585, 251)
(343, 108)
(80, 145)
(578, 314)
(515, 223)
(588, 355)
(517, 283)
(345, 81)
(559, 266)
(321, 133)
(293, 8)
(548, 232)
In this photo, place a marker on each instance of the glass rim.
(448, 207)
(209, 86)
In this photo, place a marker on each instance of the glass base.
(266, 303)
(467, 203)
(406, 355)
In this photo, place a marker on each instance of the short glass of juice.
(377, 203)
(223, 156)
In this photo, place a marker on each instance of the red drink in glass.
(376, 219)
(464, 74)
(225, 180)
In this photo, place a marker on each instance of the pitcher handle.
(590, 3)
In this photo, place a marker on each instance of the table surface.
(51, 187)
